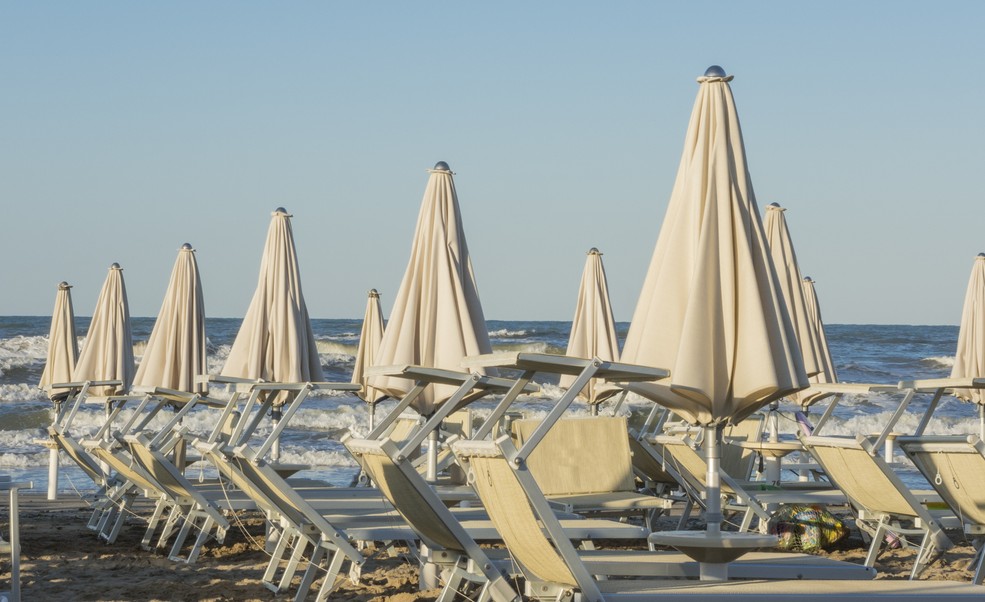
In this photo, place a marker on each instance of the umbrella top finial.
(714, 74)
(775, 207)
(115, 266)
(808, 279)
(64, 286)
(441, 166)
(187, 247)
(980, 255)
(594, 251)
(373, 293)
(714, 71)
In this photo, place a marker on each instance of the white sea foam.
(503, 333)
(26, 459)
(300, 455)
(326, 347)
(944, 361)
(527, 347)
(24, 347)
(21, 392)
(340, 418)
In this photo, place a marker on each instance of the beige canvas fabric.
(436, 318)
(969, 359)
(959, 467)
(404, 496)
(593, 329)
(788, 272)
(370, 338)
(827, 374)
(580, 455)
(63, 346)
(107, 353)
(275, 342)
(711, 310)
(511, 514)
(175, 352)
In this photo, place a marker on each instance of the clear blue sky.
(130, 128)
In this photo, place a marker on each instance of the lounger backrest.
(648, 466)
(80, 456)
(289, 503)
(956, 469)
(123, 468)
(511, 513)
(687, 461)
(864, 478)
(407, 496)
(580, 455)
(459, 423)
(226, 467)
(164, 474)
(275, 489)
(738, 461)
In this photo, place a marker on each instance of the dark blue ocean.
(862, 353)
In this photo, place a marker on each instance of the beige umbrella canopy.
(436, 319)
(275, 342)
(107, 353)
(791, 284)
(593, 329)
(827, 373)
(63, 346)
(711, 309)
(969, 359)
(175, 352)
(370, 338)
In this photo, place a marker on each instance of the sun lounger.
(585, 465)
(955, 467)
(555, 569)
(751, 499)
(446, 542)
(878, 495)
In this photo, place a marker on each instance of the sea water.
(862, 353)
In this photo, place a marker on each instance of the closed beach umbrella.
(175, 352)
(370, 338)
(63, 346)
(969, 359)
(275, 342)
(827, 373)
(436, 320)
(107, 353)
(791, 283)
(593, 329)
(711, 309)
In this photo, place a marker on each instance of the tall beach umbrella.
(791, 283)
(827, 373)
(275, 342)
(436, 320)
(63, 346)
(969, 358)
(107, 353)
(593, 329)
(711, 309)
(370, 337)
(63, 353)
(175, 352)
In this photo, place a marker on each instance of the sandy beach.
(62, 560)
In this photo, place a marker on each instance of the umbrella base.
(713, 550)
